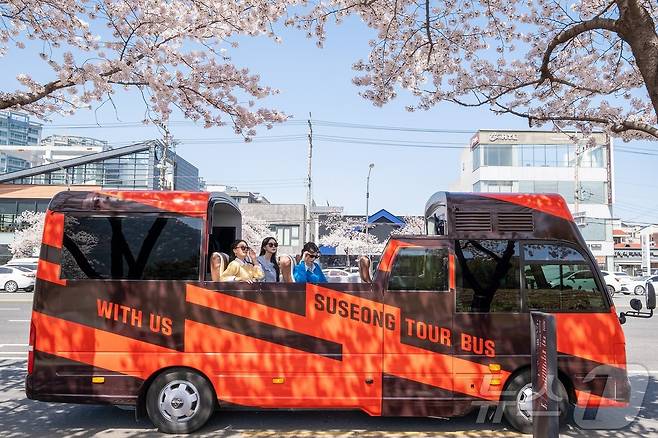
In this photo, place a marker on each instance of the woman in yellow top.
(242, 268)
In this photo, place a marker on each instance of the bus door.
(418, 363)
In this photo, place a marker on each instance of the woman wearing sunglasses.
(242, 266)
(267, 260)
(308, 270)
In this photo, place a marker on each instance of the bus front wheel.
(518, 402)
(179, 401)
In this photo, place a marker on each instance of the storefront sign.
(503, 136)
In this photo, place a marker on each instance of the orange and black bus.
(126, 312)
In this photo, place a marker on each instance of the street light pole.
(367, 201)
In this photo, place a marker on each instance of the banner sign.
(545, 415)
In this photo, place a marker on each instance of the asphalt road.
(20, 417)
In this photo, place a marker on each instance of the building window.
(286, 235)
(420, 269)
(144, 247)
(498, 155)
(496, 186)
(563, 188)
(488, 276)
(557, 279)
(476, 157)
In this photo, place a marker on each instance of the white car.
(29, 262)
(638, 285)
(13, 278)
(335, 275)
(653, 279)
(615, 284)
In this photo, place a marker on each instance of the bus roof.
(143, 201)
(501, 215)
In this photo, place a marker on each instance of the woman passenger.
(308, 270)
(242, 266)
(267, 260)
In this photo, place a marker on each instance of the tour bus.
(128, 311)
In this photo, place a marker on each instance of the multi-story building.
(577, 168)
(136, 167)
(17, 129)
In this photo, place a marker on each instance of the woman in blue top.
(308, 270)
(267, 260)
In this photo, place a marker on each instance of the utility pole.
(309, 188)
(162, 165)
(370, 166)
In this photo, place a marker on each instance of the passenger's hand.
(252, 255)
(308, 260)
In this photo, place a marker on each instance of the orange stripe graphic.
(53, 231)
(48, 271)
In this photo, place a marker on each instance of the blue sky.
(319, 81)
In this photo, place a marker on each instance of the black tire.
(169, 401)
(513, 415)
(29, 289)
(612, 290)
(11, 286)
(638, 290)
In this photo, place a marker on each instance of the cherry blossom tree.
(254, 231)
(346, 234)
(28, 234)
(573, 64)
(413, 225)
(173, 52)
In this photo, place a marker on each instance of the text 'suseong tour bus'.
(125, 312)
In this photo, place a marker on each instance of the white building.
(55, 148)
(548, 162)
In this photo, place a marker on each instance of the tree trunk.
(638, 30)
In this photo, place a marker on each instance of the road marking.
(14, 345)
(10, 308)
(18, 320)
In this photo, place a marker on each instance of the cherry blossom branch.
(568, 35)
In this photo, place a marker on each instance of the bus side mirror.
(636, 304)
(651, 297)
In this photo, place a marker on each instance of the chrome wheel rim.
(639, 290)
(179, 401)
(524, 402)
(11, 286)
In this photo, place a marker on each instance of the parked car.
(13, 278)
(637, 285)
(336, 275)
(28, 262)
(615, 284)
(653, 279)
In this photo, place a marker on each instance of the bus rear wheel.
(179, 401)
(518, 403)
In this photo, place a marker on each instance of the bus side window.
(488, 276)
(131, 247)
(558, 279)
(420, 269)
